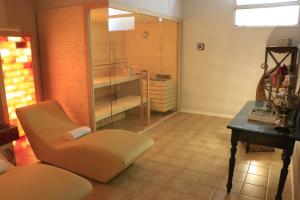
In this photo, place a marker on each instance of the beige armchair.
(41, 181)
(100, 155)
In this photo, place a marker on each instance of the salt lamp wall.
(17, 76)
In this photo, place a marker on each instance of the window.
(121, 24)
(261, 13)
(120, 20)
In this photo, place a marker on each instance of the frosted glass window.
(114, 12)
(270, 16)
(251, 2)
(121, 23)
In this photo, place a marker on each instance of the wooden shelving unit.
(105, 109)
(162, 95)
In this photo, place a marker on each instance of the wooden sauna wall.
(159, 52)
(63, 60)
(99, 38)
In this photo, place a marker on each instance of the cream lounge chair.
(42, 182)
(100, 155)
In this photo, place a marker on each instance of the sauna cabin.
(110, 68)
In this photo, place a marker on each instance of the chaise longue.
(40, 181)
(100, 155)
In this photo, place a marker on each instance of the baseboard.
(206, 113)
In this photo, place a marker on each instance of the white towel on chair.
(77, 133)
(3, 166)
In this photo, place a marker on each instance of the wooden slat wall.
(118, 47)
(99, 36)
(159, 52)
(145, 53)
(63, 60)
(99, 43)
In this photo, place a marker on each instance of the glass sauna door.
(135, 62)
(101, 68)
(146, 45)
(130, 105)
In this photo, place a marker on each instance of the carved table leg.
(287, 153)
(234, 141)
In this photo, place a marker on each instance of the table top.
(241, 122)
(4, 127)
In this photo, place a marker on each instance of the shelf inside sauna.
(114, 80)
(105, 110)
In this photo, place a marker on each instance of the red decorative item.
(28, 65)
(21, 45)
(3, 39)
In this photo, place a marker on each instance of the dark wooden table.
(8, 134)
(261, 134)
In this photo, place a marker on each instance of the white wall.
(284, 33)
(153, 7)
(219, 80)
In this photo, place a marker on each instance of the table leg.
(247, 148)
(287, 153)
(234, 141)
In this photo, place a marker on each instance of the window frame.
(265, 5)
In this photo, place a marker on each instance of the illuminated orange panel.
(15, 53)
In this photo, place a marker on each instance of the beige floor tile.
(221, 162)
(160, 179)
(192, 197)
(253, 191)
(201, 191)
(241, 167)
(261, 163)
(236, 185)
(256, 180)
(243, 197)
(160, 159)
(256, 170)
(170, 170)
(208, 180)
(166, 194)
(223, 195)
(187, 175)
(153, 166)
(149, 191)
(213, 170)
(179, 185)
(136, 185)
(238, 176)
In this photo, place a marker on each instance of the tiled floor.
(190, 161)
